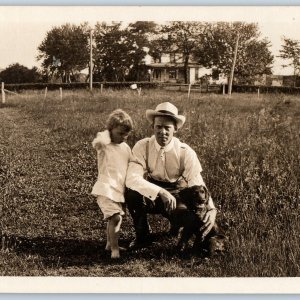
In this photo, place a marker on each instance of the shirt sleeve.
(192, 171)
(192, 168)
(136, 171)
(102, 139)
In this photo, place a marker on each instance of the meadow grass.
(51, 225)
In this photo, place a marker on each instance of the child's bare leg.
(114, 228)
(107, 247)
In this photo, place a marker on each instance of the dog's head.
(196, 199)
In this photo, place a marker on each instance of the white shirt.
(137, 166)
(113, 162)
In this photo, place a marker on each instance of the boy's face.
(164, 129)
(119, 134)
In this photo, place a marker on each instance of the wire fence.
(180, 87)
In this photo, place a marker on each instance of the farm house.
(173, 72)
(170, 68)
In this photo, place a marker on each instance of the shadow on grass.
(80, 253)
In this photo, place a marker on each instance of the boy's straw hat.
(165, 109)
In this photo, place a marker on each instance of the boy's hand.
(168, 200)
(209, 221)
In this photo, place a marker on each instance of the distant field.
(51, 225)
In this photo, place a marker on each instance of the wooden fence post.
(223, 88)
(258, 92)
(3, 92)
(101, 88)
(60, 93)
(189, 91)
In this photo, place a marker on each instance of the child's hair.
(119, 118)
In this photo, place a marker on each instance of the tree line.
(119, 51)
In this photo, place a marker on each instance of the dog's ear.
(186, 197)
(184, 194)
(207, 194)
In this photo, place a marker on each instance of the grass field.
(52, 226)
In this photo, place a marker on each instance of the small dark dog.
(191, 207)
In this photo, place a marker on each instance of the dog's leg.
(182, 244)
(175, 218)
(211, 244)
(200, 245)
(107, 247)
(174, 230)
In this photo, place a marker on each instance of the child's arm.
(102, 139)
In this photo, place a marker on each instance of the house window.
(172, 57)
(215, 74)
(157, 59)
(172, 74)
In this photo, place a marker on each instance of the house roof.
(172, 65)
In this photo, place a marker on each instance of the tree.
(291, 51)
(142, 34)
(218, 44)
(143, 28)
(181, 38)
(16, 73)
(65, 51)
(117, 51)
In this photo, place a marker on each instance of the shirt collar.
(167, 148)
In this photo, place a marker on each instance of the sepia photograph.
(150, 149)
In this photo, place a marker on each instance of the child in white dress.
(113, 156)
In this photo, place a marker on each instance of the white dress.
(113, 162)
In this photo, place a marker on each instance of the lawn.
(52, 226)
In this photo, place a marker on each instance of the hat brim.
(151, 114)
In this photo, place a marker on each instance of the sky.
(23, 28)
